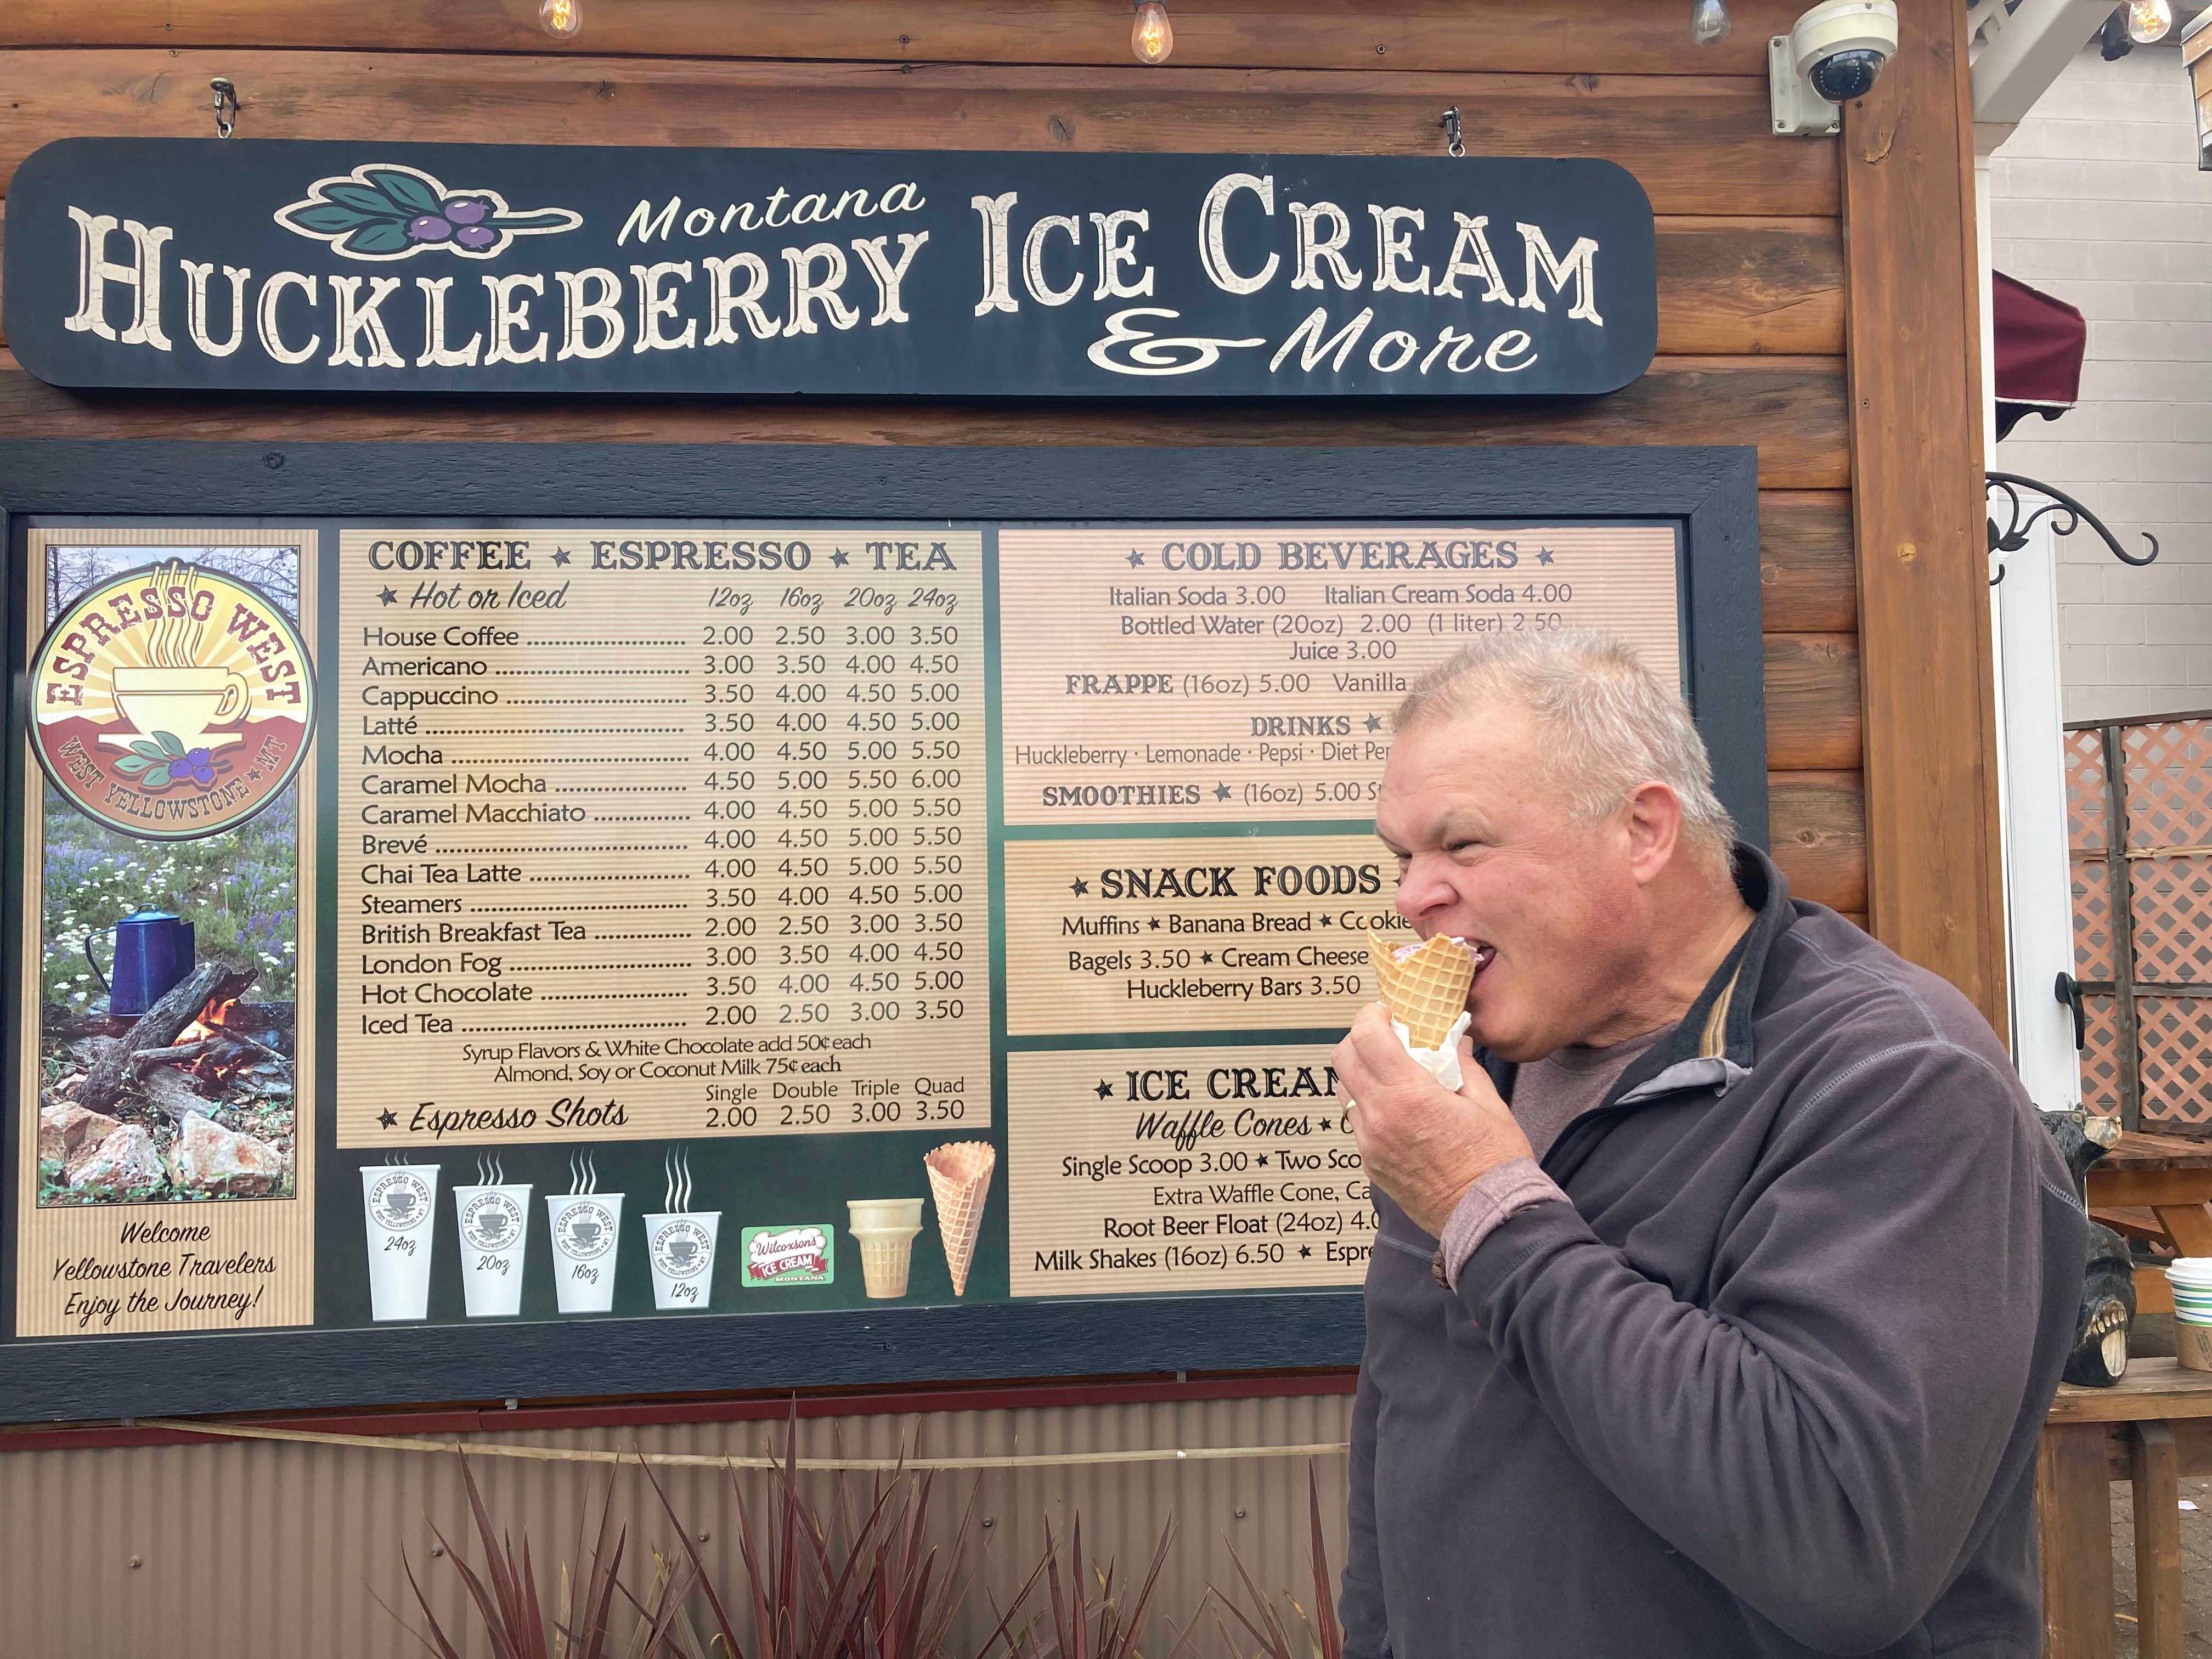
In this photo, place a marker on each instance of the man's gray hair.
(1610, 726)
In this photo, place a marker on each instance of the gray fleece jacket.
(1771, 1384)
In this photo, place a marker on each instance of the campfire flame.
(218, 1067)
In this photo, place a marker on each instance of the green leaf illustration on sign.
(385, 212)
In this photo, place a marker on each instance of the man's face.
(1488, 852)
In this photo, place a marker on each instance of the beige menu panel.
(121, 1256)
(1193, 933)
(1224, 674)
(1177, 1170)
(652, 833)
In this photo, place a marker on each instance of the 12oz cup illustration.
(401, 1201)
(885, 1230)
(586, 1225)
(679, 1243)
(494, 1223)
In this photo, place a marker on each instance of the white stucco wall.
(2097, 199)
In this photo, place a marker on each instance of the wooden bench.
(2151, 1428)
(2156, 1188)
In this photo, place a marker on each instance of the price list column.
(1195, 725)
(661, 833)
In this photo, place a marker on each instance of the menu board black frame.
(1709, 493)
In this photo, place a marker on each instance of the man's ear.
(1654, 824)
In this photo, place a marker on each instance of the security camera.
(1833, 55)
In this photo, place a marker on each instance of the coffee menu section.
(916, 911)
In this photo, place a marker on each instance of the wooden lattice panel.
(2169, 783)
(2100, 1058)
(2172, 898)
(2087, 830)
(2092, 920)
(2174, 1036)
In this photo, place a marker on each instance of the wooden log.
(1812, 719)
(174, 1055)
(157, 1028)
(1699, 145)
(1791, 409)
(1745, 286)
(1817, 833)
(1748, 285)
(1555, 37)
(1918, 512)
(172, 1094)
(1808, 582)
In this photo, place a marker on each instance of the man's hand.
(1422, 1144)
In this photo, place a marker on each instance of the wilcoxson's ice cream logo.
(399, 1200)
(385, 211)
(788, 1255)
(172, 702)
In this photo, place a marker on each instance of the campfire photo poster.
(165, 1141)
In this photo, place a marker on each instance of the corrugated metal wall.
(261, 1550)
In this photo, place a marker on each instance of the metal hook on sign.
(1450, 123)
(226, 105)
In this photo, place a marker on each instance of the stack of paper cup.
(885, 1228)
(399, 1199)
(494, 1223)
(2191, 1276)
(586, 1229)
(681, 1246)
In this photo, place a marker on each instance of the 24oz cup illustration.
(495, 1224)
(400, 1200)
(680, 1243)
(587, 1226)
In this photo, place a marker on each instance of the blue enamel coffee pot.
(154, 952)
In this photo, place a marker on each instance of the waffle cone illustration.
(960, 1181)
(1425, 989)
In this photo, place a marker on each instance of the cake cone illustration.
(1424, 986)
(960, 1181)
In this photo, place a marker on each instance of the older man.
(1718, 1311)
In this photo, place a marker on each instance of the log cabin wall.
(1750, 242)
(1759, 309)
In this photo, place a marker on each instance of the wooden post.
(1935, 889)
(2073, 1508)
(2156, 1467)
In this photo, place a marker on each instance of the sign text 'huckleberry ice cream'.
(356, 267)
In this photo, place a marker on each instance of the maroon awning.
(2039, 343)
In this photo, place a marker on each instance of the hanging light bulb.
(1709, 21)
(2149, 21)
(560, 18)
(1152, 37)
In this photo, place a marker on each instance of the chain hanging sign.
(351, 267)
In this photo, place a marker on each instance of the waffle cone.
(1427, 990)
(960, 1181)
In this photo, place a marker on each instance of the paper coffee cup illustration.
(495, 1224)
(400, 1200)
(587, 1227)
(885, 1230)
(679, 1243)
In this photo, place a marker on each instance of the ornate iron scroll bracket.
(2020, 519)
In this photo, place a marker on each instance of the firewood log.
(157, 1028)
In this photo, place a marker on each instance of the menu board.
(714, 917)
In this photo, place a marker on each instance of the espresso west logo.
(586, 1232)
(491, 1221)
(683, 1248)
(171, 703)
(399, 1201)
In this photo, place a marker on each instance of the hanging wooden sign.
(363, 267)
